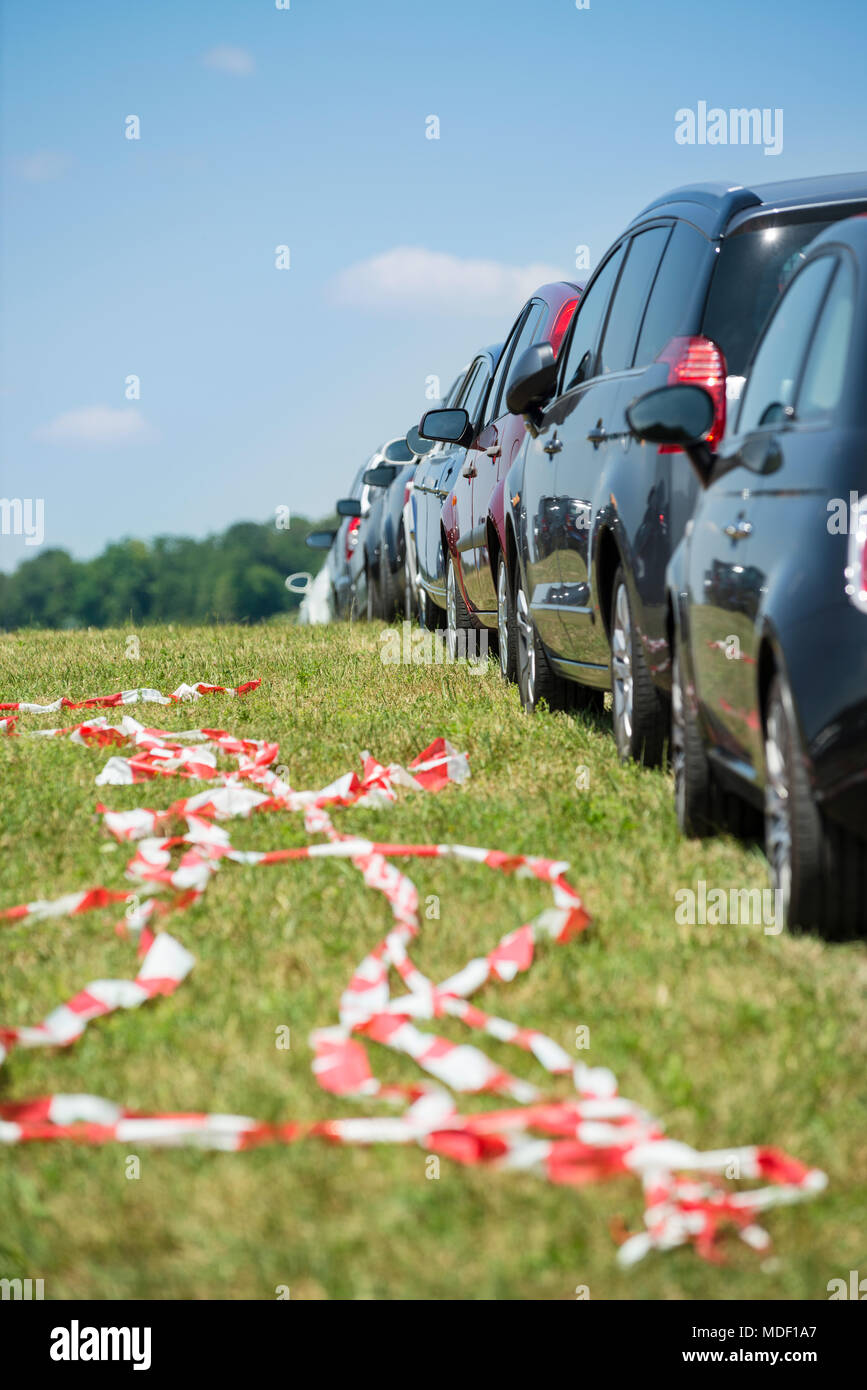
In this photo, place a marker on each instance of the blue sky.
(306, 127)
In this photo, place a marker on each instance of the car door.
(498, 442)
(593, 435)
(766, 482)
(433, 479)
(549, 496)
(553, 496)
(458, 515)
(647, 495)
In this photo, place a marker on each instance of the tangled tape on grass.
(594, 1134)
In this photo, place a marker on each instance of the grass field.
(729, 1035)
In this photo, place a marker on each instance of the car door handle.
(494, 452)
(553, 446)
(469, 471)
(739, 530)
(597, 435)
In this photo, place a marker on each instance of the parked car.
(395, 576)
(767, 591)
(317, 605)
(473, 508)
(592, 519)
(342, 546)
(433, 480)
(411, 591)
(373, 566)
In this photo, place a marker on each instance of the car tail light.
(352, 536)
(856, 570)
(561, 323)
(698, 362)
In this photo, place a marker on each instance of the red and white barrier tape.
(592, 1135)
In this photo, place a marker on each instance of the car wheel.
(411, 608)
(537, 679)
(507, 636)
(693, 775)
(433, 617)
(387, 594)
(637, 708)
(458, 617)
(374, 602)
(818, 868)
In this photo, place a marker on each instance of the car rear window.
(753, 266)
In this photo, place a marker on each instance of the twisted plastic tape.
(593, 1134)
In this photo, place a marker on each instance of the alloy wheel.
(678, 742)
(526, 647)
(621, 668)
(778, 823)
(503, 619)
(451, 612)
(407, 587)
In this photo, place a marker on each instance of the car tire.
(820, 869)
(374, 602)
(411, 605)
(536, 678)
(638, 711)
(433, 618)
(387, 588)
(458, 616)
(507, 635)
(694, 795)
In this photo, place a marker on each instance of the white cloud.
(411, 277)
(224, 58)
(41, 167)
(94, 424)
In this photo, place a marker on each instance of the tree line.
(237, 576)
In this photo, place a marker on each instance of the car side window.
(630, 299)
(472, 396)
(520, 339)
(580, 353)
(503, 365)
(824, 373)
(773, 376)
(669, 303)
(528, 335)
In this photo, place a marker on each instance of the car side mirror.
(533, 379)
(320, 540)
(419, 446)
(383, 475)
(348, 506)
(677, 415)
(397, 451)
(447, 427)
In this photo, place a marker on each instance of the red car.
(472, 514)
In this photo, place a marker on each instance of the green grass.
(729, 1035)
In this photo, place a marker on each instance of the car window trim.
(566, 345)
(841, 255)
(505, 359)
(534, 303)
(633, 238)
(831, 253)
(668, 241)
